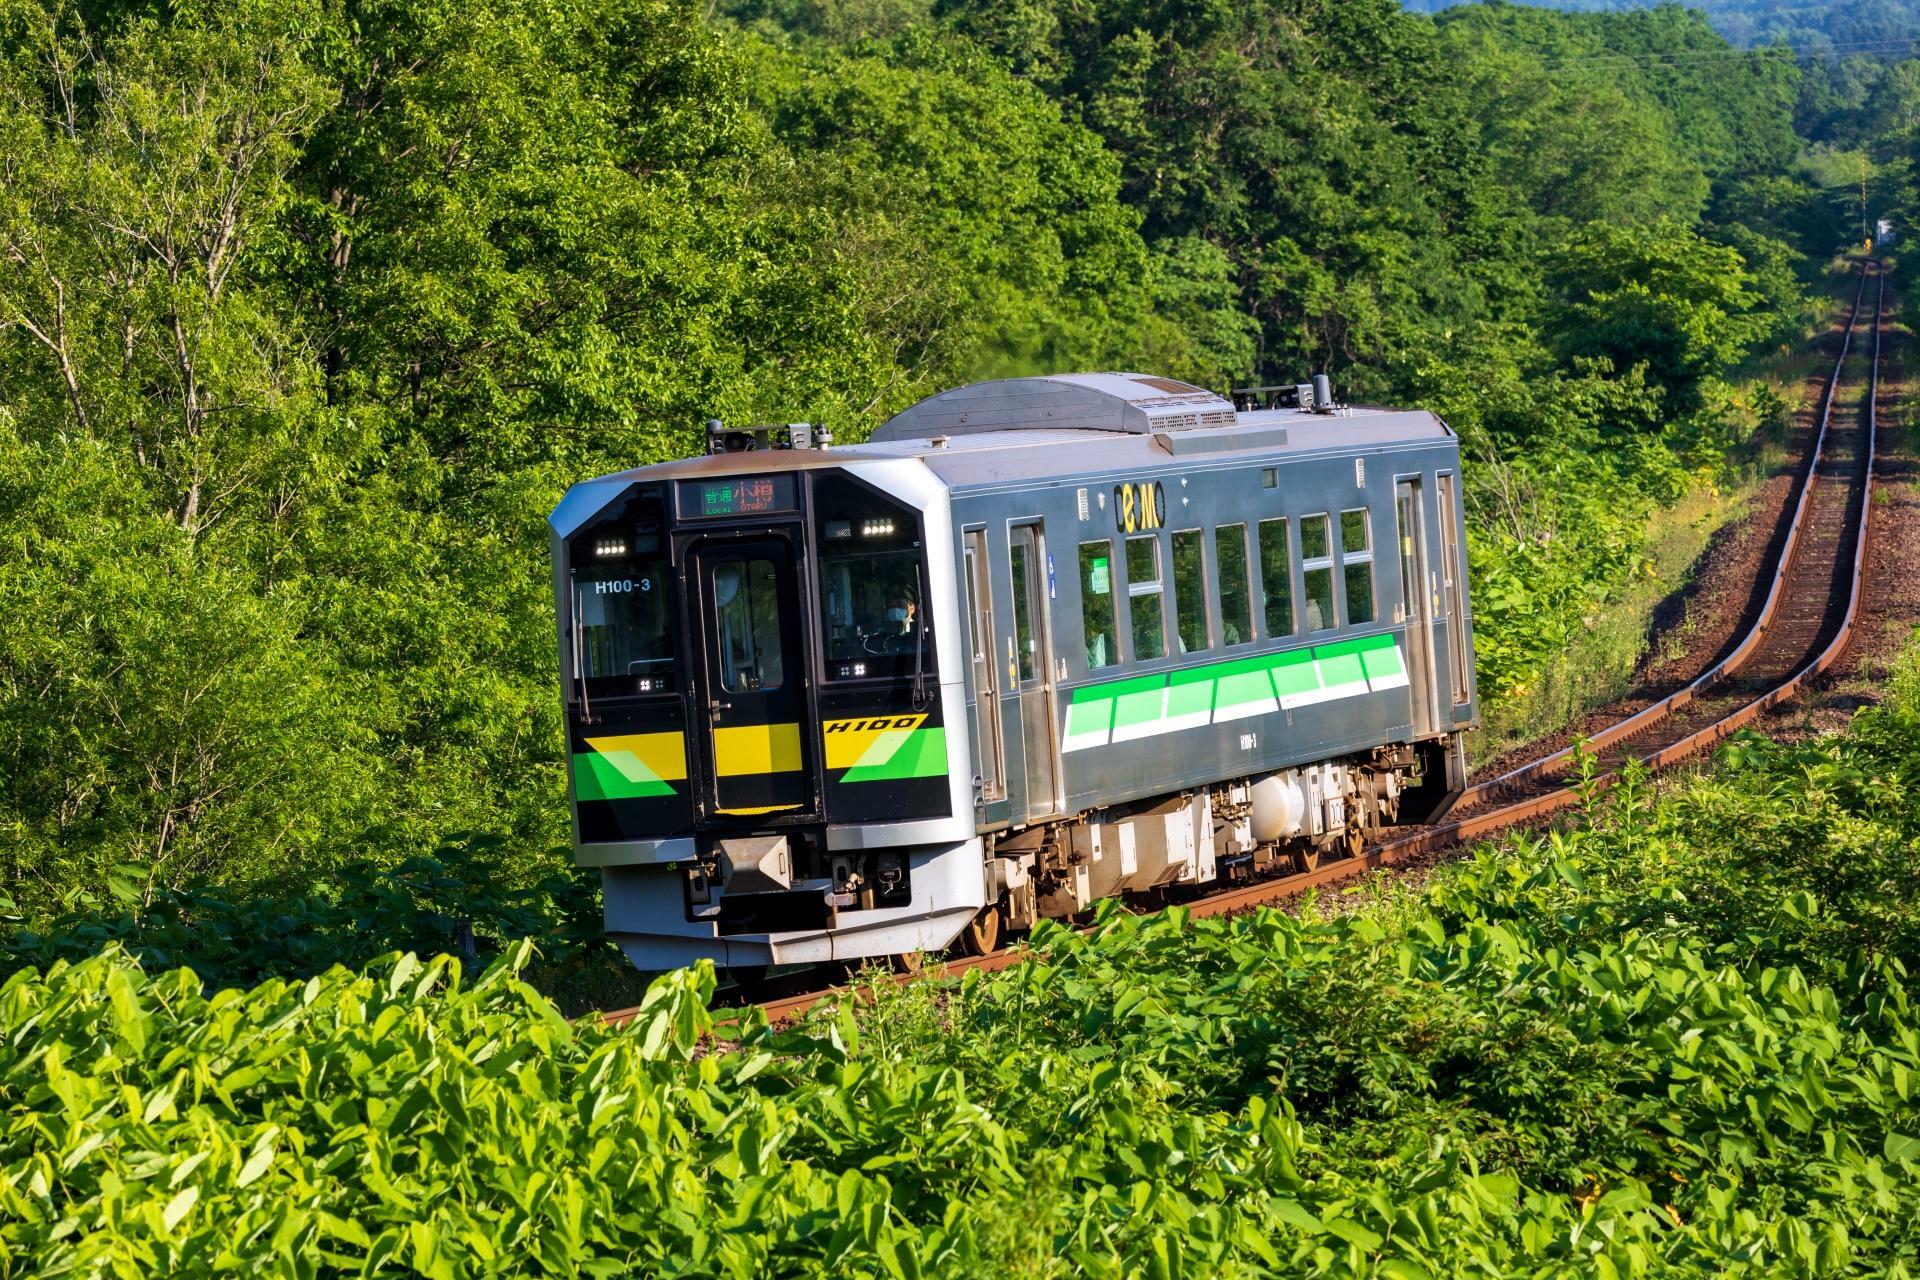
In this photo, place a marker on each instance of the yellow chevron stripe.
(849, 741)
(662, 755)
(739, 750)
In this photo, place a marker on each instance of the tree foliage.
(308, 313)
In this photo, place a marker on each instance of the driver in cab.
(895, 634)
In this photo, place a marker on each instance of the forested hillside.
(308, 314)
(1842, 26)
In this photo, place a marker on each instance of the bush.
(1678, 1038)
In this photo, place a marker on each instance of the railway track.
(1803, 627)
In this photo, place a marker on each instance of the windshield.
(622, 612)
(873, 614)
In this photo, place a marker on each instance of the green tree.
(1662, 298)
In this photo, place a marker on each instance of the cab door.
(746, 634)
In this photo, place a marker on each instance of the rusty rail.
(1652, 714)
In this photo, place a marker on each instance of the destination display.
(736, 496)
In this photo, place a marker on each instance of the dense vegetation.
(309, 311)
(1678, 1039)
(1888, 27)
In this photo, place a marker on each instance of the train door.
(746, 624)
(1452, 580)
(1032, 666)
(1416, 609)
(988, 762)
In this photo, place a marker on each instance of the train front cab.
(764, 695)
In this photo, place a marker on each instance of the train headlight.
(610, 548)
(876, 528)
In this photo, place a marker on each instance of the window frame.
(1250, 585)
(1136, 590)
(1287, 558)
(813, 583)
(1322, 563)
(1115, 657)
(1203, 598)
(1362, 558)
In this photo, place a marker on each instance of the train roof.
(1015, 430)
(1257, 436)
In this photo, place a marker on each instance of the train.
(1039, 641)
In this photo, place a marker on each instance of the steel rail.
(1650, 715)
(1399, 849)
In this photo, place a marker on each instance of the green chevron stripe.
(921, 754)
(596, 777)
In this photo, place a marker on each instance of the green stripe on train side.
(1190, 692)
(1146, 706)
(1294, 673)
(1089, 715)
(1338, 669)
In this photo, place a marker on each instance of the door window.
(1021, 549)
(746, 621)
(986, 698)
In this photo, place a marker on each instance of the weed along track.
(1812, 597)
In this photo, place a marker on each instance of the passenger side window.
(1096, 604)
(1276, 577)
(1356, 559)
(1316, 563)
(1144, 594)
(1190, 590)
(1236, 605)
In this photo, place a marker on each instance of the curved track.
(1803, 627)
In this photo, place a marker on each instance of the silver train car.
(1038, 642)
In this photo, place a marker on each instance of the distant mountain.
(1882, 27)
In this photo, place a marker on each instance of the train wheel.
(982, 934)
(1356, 840)
(1308, 858)
(908, 962)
